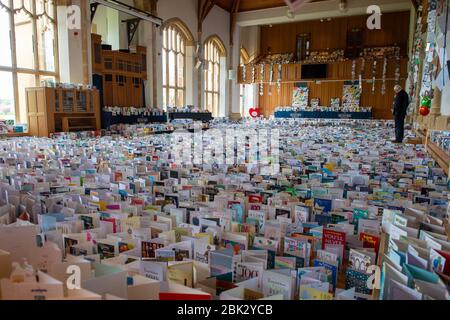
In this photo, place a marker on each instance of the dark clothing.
(399, 129)
(401, 103)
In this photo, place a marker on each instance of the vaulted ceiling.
(250, 5)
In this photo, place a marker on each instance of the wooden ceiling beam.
(204, 8)
(207, 9)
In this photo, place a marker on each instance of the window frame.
(211, 51)
(166, 68)
(36, 71)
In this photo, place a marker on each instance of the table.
(322, 115)
(197, 116)
(108, 119)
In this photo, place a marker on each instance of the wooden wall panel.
(331, 35)
(333, 87)
(336, 71)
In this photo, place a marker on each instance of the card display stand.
(53, 110)
(323, 115)
(109, 119)
(196, 116)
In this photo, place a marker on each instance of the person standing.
(401, 103)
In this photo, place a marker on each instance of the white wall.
(186, 10)
(71, 69)
(445, 104)
(218, 23)
(250, 40)
(107, 24)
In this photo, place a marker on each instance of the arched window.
(213, 51)
(173, 66)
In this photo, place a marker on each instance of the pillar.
(149, 38)
(235, 57)
(74, 42)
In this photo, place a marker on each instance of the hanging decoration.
(353, 70)
(374, 74)
(280, 67)
(383, 85)
(427, 71)
(425, 105)
(415, 58)
(361, 73)
(397, 68)
(424, 111)
(426, 101)
(271, 74)
(253, 73)
(244, 73)
(261, 84)
(270, 79)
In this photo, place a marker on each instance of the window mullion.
(184, 74)
(167, 71)
(14, 61)
(176, 71)
(35, 37)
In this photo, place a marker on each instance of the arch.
(181, 27)
(218, 42)
(245, 57)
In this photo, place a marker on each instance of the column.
(145, 40)
(151, 40)
(189, 74)
(74, 42)
(235, 57)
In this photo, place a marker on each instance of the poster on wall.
(300, 95)
(351, 94)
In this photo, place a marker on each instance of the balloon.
(426, 102)
(424, 111)
(255, 112)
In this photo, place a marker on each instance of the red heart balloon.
(255, 112)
